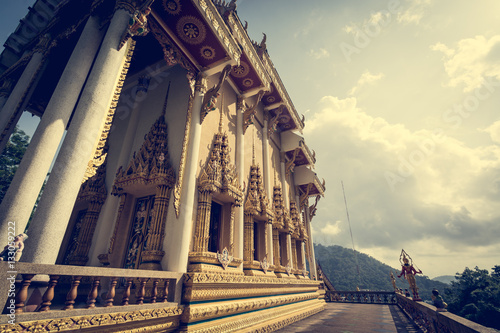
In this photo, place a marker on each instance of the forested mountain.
(445, 279)
(339, 264)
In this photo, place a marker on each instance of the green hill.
(339, 264)
(445, 279)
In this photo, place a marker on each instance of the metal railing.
(371, 297)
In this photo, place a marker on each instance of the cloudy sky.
(401, 100)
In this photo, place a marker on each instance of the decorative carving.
(250, 112)
(209, 11)
(182, 164)
(256, 206)
(312, 208)
(217, 177)
(288, 268)
(173, 7)
(273, 123)
(304, 196)
(151, 168)
(224, 257)
(97, 321)
(100, 153)
(171, 52)
(264, 264)
(210, 98)
(290, 165)
(137, 25)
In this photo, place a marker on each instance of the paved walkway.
(355, 318)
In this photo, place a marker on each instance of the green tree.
(11, 157)
(475, 295)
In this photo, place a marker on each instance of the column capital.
(200, 84)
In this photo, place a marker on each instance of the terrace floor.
(355, 318)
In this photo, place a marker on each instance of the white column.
(239, 227)
(182, 230)
(303, 254)
(312, 265)
(267, 184)
(289, 250)
(28, 180)
(284, 185)
(54, 210)
(107, 217)
(17, 95)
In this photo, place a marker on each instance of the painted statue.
(393, 281)
(408, 272)
(439, 303)
(14, 249)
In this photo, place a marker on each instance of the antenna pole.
(350, 231)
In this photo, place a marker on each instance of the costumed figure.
(439, 303)
(14, 250)
(408, 272)
(393, 281)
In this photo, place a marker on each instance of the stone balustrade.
(138, 290)
(377, 297)
(430, 320)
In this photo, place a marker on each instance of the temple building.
(181, 191)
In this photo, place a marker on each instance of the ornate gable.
(150, 166)
(282, 216)
(257, 203)
(219, 175)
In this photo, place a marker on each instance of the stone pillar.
(203, 222)
(28, 180)
(269, 191)
(284, 185)
(80, 256)
(294, 253)
(303, 255)
(55, 207)
(276, 247)
(109, 211)
(13, 103)
(153, 253)
(289, 255)
(240, 167)
(182, 229)
(312, 264)
(249, 247)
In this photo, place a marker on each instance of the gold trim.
(100, 154)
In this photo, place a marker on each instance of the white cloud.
(331, 229)
(446, 196)
(366, 78)
(471, 61)
(494, 131)
(414, 13)
(321, 53)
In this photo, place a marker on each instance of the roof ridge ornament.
(210, 98)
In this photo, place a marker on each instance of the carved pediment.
(257, 203)
(219, 175)
(150, 165)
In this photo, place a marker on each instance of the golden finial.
(166, 100)
(221, 112)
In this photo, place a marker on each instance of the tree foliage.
(339, 264)
(11, 157)
(475, 295)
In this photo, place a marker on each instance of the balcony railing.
(430, 320)
(81, 286)
(375, 297)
